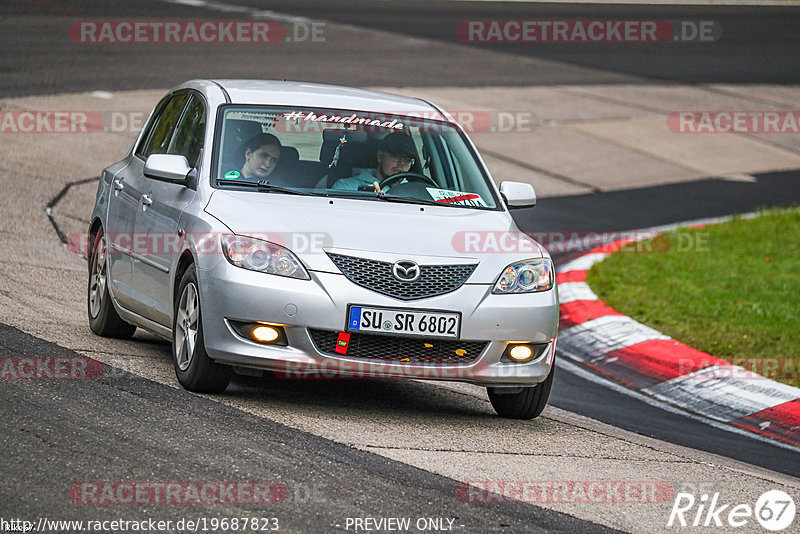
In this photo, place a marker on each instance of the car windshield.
(354, 154)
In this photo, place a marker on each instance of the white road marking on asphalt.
(603, 335)
(740, 177)
(724, 392)
(249, 11)
(589, 376)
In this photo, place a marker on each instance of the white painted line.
(251, 12)
(589, 376)
(719, 393)
(572, 291)
(583, 263)
(600, 336)
(274, 15)
(740, 177)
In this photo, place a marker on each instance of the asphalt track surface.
(758, 45)
(755, 43)
(132, 429)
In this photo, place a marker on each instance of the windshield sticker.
(231, 175)
(350, 119)
(460, 198)
(267, 120)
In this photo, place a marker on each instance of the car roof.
(270, 92)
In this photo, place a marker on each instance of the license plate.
(404, 322)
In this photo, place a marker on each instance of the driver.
(396, 153)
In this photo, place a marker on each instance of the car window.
(160, 135)
(335, 152)
(148, 129)
(190, 131)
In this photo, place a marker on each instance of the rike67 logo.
(774, 510)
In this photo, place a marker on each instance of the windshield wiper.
(408, 200)
(264, 185)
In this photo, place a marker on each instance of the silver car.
(318, 231)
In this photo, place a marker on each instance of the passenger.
(261, 155)
(396, 153)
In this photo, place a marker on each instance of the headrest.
(289, 154)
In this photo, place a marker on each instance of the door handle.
(118, 185)
(146, 200)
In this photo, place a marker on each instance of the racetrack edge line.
(649, 363)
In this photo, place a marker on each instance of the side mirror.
(518, 195)
(171, 168)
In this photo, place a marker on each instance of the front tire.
(103, 318)
(195, 370)
(526, 404)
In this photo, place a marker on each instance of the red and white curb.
(645, 360)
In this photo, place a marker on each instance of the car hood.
(312, 227)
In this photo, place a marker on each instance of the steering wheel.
(410, 176)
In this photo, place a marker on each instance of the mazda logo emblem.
(406, 271)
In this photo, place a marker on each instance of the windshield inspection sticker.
(231, 175)
(267, 120)
(460, 198)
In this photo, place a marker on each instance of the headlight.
(526, 276)
(262, 256)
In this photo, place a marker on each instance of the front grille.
(400, 349)
(377, 276)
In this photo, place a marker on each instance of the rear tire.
(196, 371)
(526, 404)
(103, 318)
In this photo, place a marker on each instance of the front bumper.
(231, 293)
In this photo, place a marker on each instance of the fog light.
(523, 351)
(265, 334)
(520, 353)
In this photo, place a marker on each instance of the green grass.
(731, 290)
